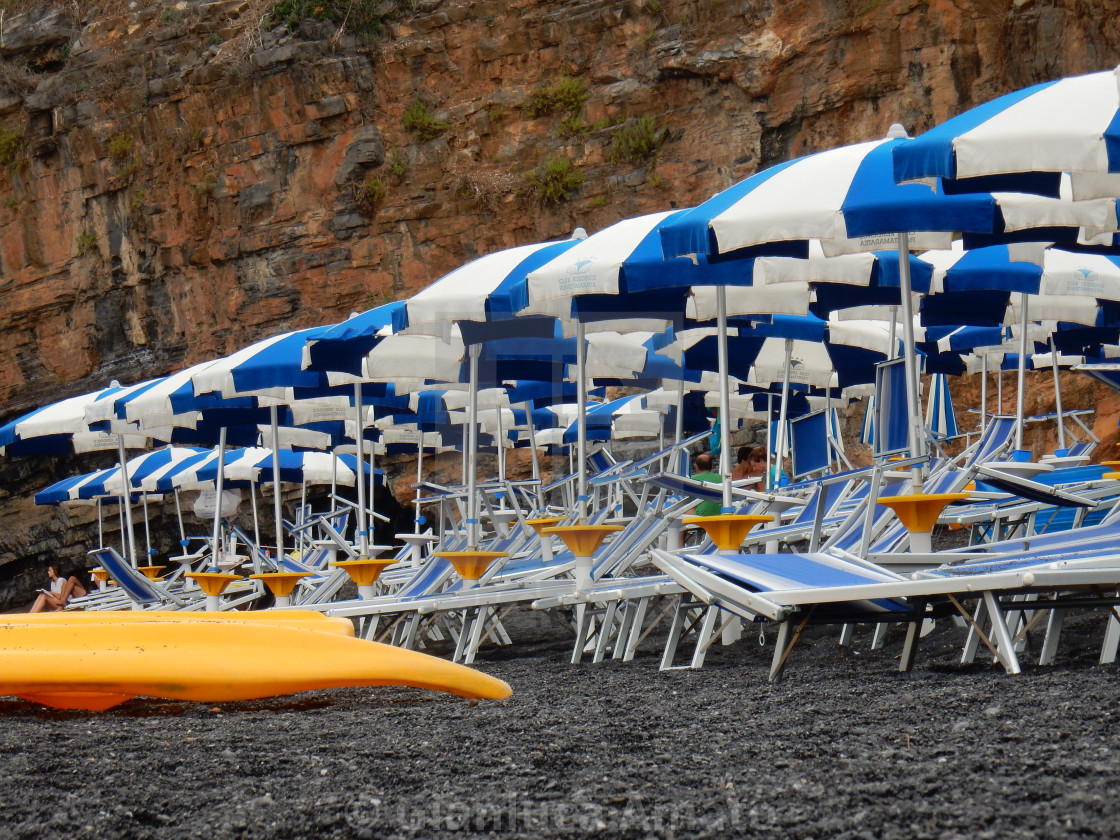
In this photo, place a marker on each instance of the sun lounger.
(822, 588)
(479, 608)
(143, 593)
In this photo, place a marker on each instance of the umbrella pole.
(101, 526)
(303, 538)
(464, 457)
(678, 428)
(581, 421)
(147, 529)
(783, 408)
(1058, 395)
(769, 441)
(983, 392)
(334, 477)
(215, 545)
(472, 446)
(372, 494)
(126, 502)
(419, 478)
(893, 336)
(255, 550)
(501, 447)
(363, 543)
(124, 537)
(913, 409)
(534, 454)
(277, 511)
(1021, 376)
(179, 516)
(724, 397)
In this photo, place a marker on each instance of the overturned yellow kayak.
(82, 664)
(307, 619)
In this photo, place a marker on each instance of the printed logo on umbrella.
(1089, 284)
(579, 278)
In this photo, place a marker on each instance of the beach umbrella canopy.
(339, 351)
(941, 420)
(849, 200)
(483, 297)
(63, 427)
(75, 488)
(139, 469)
(1024, 140)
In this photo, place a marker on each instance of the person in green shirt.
(702, 471)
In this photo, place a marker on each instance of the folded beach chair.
(435, 575)
(482, 608)
(142, 593)
(815, 588)
(1055, 501)
(869, 530)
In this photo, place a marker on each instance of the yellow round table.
(583, 541)
(281, 584)
(470, 564)
(730, 529)
(919, 512)
(213, 584)
(365, 571)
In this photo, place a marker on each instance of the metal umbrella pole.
(277, 511)
(983, 392)
(1022, 376)
(419, 478)
(473, 353)
(724, 397)
(533, 453)
(1058, 395)
(581, 421)
(126, 502)
(219, 486)
(783, 413)
(363, 535)
(915, 423)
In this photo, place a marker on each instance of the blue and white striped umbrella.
(848, 199)
(75, 488)
(941, 420)
(108, 482)
(64, 427)
(1024, 140)
(339, 351)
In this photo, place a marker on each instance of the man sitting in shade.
(702, 471)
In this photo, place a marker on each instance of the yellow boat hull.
(307, 619)
(81, 664)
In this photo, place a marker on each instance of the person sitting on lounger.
(59, 592)
(702, 471)
(752, 464)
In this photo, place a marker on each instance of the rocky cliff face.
(179, 179)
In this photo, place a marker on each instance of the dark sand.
(844, 747)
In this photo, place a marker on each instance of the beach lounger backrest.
(891, 413)
(136, 586)
(809, 438)
(427, 579)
